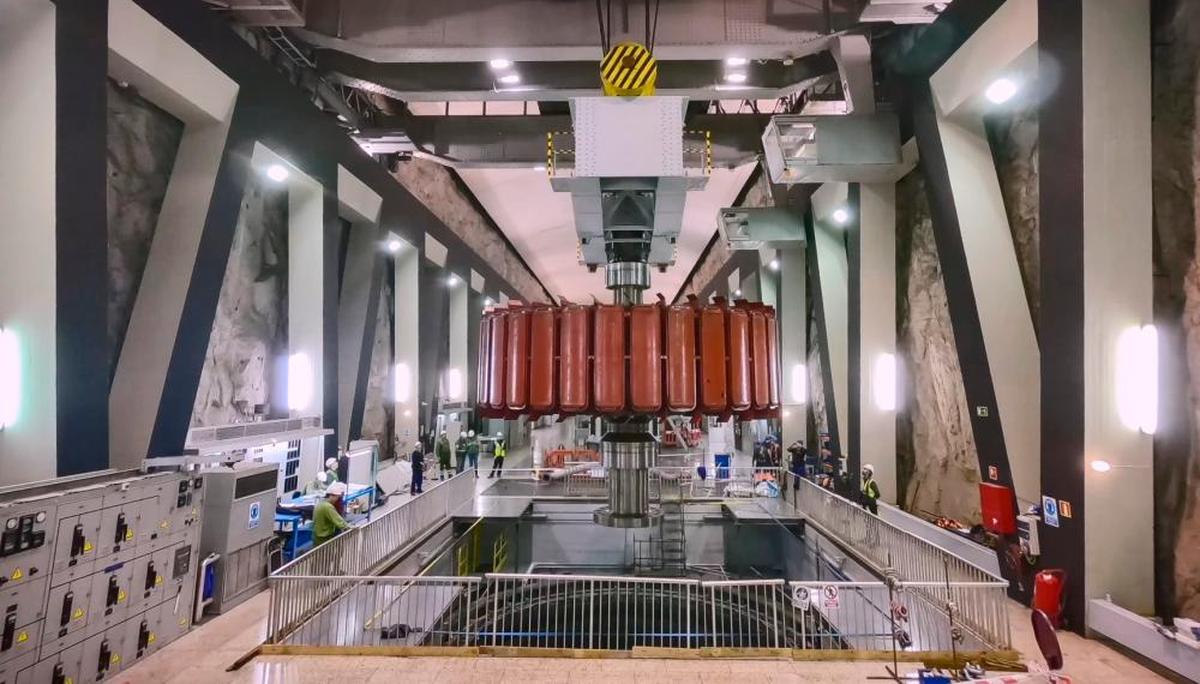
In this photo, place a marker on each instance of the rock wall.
(1177, 302)
(437, 188)
(248, 342)
(935, 449)
(142, 143)
(816, 383)
(379, 418)
(1014, 141)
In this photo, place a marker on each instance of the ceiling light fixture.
(277, 173)
(510, 79)
(500, 63)
(1001, 90)
(736, 61)
(735, 77)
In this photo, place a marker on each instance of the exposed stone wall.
(436, 187)
(1177, 300)
(1014, 142)
(142, 143)
(379, 412)
(936, 456)
(248, 341)
(816, 382)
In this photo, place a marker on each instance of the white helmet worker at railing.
(331, 468)
(327, 522)
(870, 489)
(499, 451)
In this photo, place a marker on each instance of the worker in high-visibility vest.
(499, 451)
(870, 489)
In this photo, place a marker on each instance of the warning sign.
(801, 598)
(1064, 508)
(993, 473)
(830, 597)
(255, 515)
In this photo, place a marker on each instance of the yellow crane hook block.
(628, 70)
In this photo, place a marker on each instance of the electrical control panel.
(96, 573)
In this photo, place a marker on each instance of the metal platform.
(493, 508)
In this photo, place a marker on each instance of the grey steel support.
(628, 451)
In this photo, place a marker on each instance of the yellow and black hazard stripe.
(628, 70)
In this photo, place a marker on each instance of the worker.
(498, 452)
(417, 459)
(473, 452)
(870, 489)
(460, 452)
(443, 455)
(327, 522)
(798, 462)
(331, 468)
(319, 484)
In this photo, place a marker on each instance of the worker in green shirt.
(327, 522)
(443, 456)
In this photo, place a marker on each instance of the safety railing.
(933, 572)
(585, 480)
(360, 551)
(600, 612)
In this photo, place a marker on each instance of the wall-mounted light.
(500, 64)
(736, 61)
(1102, 466)
(277, 172)
(453, 280)
(394, 245)
(1136, 378)
(454, 384)
(10, 378)
(402, 383)
(510, 79)
(773, 264)
(408, 413)
(487, 301)
(841, 216)
(737, 293)
(299, 382)
(1001, 90)
(735, 77)
(799, 384)
(883, 382)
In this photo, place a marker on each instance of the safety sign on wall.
(801, 598)
(255, 515)
(1050, 511)
(830, 597)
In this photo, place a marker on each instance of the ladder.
(672, 541)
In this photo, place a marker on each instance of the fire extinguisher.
(1049, 594)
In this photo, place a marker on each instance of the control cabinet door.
(19, 670)
(110, 597)
(119, 531)
(186, 501)
(175, 616)
(26, 541)
(21, 610)
(140, 570)
(102, 655)
(150, 579)
(65, 666)
(140, 638)
(154, 517)
(67, 612)
(76, 545)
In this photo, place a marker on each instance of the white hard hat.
(331, 463)
(470, 433)
(499, 434)
(336, 489)
(322, 477)
(869, 468)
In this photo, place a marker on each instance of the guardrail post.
(591, 613)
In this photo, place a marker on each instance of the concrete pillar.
(878, 372)
(28, 296)
(407, 265)
(829, 242)
(1097, 270)
(792, 309)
